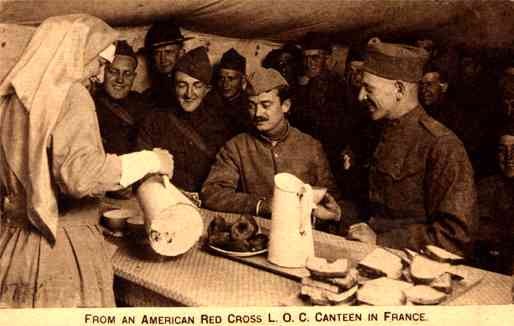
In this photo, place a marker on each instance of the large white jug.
(291, 240)
(172, 222)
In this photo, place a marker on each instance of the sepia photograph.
(256, 162)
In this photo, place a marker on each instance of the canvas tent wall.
(255, 26)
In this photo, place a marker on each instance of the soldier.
(190, 129)
(231, 83)
(421, 181)
(164, 45)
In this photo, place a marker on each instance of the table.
(199, 278)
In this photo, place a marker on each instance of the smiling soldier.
(118, 107)
(231, 83)
(192, 130)
(421, 181)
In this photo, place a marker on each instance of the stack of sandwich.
(330, 283)
(395, 279)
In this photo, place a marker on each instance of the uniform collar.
(281, 138)
(406, 119)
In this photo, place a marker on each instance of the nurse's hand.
(362, 232)
(327, 209)
(166, 159)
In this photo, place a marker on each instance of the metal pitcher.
(291, 240)
(173, 224)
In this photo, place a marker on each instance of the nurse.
(52, 163)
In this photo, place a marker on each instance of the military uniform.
(192, 154)
(421, 186)
(236, 115)
(118, 120)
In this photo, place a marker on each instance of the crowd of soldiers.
(402, 147)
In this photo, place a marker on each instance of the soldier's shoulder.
(304, 137)
(434, 127)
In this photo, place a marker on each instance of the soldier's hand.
(166, 159)
(327, 209)
(362, 232)
(265, 208)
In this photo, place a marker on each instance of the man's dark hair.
(283, 93)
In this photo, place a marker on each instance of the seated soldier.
(436, 100)
(231, 82)
(241, 179)
(493, 248)
(118, 107)
(192, 130)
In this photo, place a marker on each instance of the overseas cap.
(395, 61)
(263, 80)
(196, 64)
(164, 33)
(123, 48)
(233, 60)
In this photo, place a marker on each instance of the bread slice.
(443, 283)
(321, 268)
(314, 295)
(381, 262)
(424, 295)
(442, 255)
(410, 253)
(343, 297)
(321, 285)
(425, 270)
(390, 283)
(321, 297)
(346, 282)
(377, 294)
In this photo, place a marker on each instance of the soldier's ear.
(400, 89)
(286, 105)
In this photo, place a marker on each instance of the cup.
(318, 193)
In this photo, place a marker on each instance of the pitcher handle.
(306, 205)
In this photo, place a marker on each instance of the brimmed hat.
(395, 61)
(233, 60)
(263, 80)
(164, 33)
(196, 64)
(316, 41)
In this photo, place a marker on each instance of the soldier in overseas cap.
(421, 181)
(231, 83)
(241, 179)
(190, 128)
